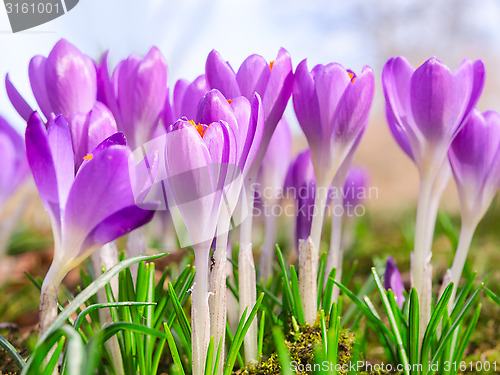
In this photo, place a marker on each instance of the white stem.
(217, 300)
(421, 253)
(308, 266)
(466, 234)
(247, 294)
(105, 258)
(319, 215)
(268, 248)
(200, 316)
(334, 259)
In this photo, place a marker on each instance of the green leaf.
(296, 296)
(12, 352)
(460, 350)
(413, 327)
(173, 349)
(286, 282)
(492, 295)
(282, 351)
(391, 314)
(179, 313)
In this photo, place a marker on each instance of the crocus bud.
(393, 281)
(64, 82)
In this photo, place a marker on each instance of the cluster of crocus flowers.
(426, 108)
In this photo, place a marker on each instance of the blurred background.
(353, 33)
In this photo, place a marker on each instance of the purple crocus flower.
(272, 81)
(63, 83)
(87, 210)
(196, 182)
(135, 94)
(393, 281)
(426, 108)
(14, 164)
(332, 106)
(475, 161)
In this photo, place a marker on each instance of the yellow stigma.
(352, 76)
(199, 127)
(229, 101)
(88, 157)
(271, 65)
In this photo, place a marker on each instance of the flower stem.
(268, 248)
(248, 296)
(200, 316)
(308, 269)
(465, 239)
(422, 252)
(320, 200)
(334, 259)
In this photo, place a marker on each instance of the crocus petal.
(278, 91)
(8, 155)
(116, 225)
(192, 96)
(42, 165)
(393, 281)
(102, 124)
(306, 106)
(214, 107)
(21, 106)
(59, 138)
(37, 75)
(355, 187)
(253, 137)
(70, 80)
(101, 188)
(106, 92)
(431, 98)
(253, 76)
(221, 76)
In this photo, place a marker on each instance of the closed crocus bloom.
(83, 219)
(135, 94)
(185, 99)
(393, 281)
(272, 81)
(475, 161)
(88, 131)
(64, 82)
(332, 107)
(426, 108)
(197, 157)
(14, 164)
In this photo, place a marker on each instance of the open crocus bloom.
(272, 81)
(426, 106)
(332, 106)
(475, 162)
(135, 94)
(89, 209)
(14, 164)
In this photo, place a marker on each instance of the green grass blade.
(492, 295)
(12, 352)
(296, 296)
(413, 327)
(179, 312)
(460, 350)
(209, 363)
(173, 349)
(80, 318)
(286, 282)
(260, 337)
(393, 321)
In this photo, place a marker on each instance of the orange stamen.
(271, 65)
(229, 101)
(88, 157)
(199, 128)
(352, 76)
